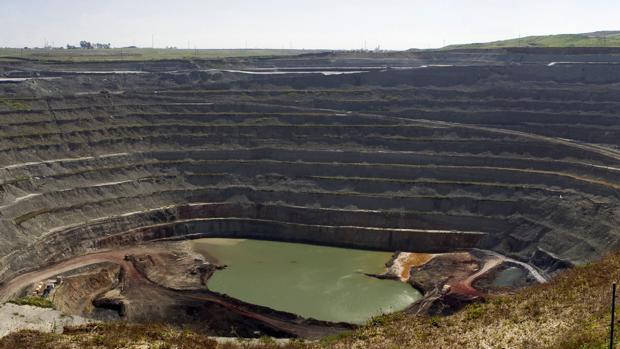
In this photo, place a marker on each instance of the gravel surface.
(21, 317)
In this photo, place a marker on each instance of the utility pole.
(152, 40)
(613, 314)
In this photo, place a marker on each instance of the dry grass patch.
(570, 312)
(110, 336)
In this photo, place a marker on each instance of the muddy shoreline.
(449, 281)
(162, 283)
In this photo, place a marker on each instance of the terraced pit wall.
(518, 158)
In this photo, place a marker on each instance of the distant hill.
(594, 39)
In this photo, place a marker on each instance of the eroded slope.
(519, 159)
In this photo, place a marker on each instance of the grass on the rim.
(561, 40)
(34, 301)
(139, 54)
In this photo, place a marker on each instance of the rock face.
(441, 270)
(499, 150)
(15, 318)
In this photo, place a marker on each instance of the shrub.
(34, 301)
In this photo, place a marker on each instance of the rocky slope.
(499, 150)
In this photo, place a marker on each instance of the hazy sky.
(344, 24)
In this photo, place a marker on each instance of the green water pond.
(324, 283)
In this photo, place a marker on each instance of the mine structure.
(478, 156)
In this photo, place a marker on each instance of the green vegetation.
(561, 40)
(331, 340)
(138, 54)
(382, 320)
(34, 301)
(12, 104)
(474, 311)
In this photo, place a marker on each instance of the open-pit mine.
(299, 196)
